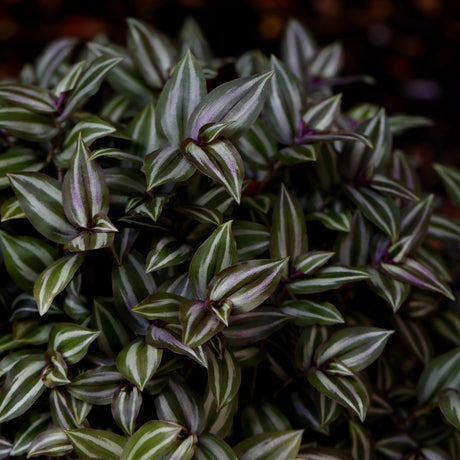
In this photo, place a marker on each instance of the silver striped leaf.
(52, 442)
(126, 404)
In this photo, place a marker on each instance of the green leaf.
(67, 411)
(55, 372)
(22, 387)
(166, 165)
(215, 254)
(239, 101)
(178, 403)
(296, 154)
(449, 403)
(354, 347)
(126, 404)
(72, 341)
(201, 214)
(138, 362)
(96, 386)
(416, 338)
(394, 292)
(339, 221)
(151, 51)
(310, 339)
(167, 253)
(89, 240)
(362, 446)
(160, 305)
(321, 115)
(288, 237)
(450, 176)
(69, 80)
(212, 131)
(400, 122)
(54, 279)
(40, 198)
(181, 449)
(211, 447)
(151, 440)
(18, 159)
(52, 442)
(143, 132)
(35, 424)
(308, 313)
(441, 228)
(11, 209)
(25, 258)
(309, 262)
(24, 124)
(96, 443)
(218, 422)
(218, 160)
(441, 372)
(247, 284)
(349, 392)
(270, 446)
(117, 154)
(392, 187)
(265, 418)
(191, 37)
(251, 239)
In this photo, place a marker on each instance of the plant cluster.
(161, 295)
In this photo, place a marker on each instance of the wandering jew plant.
(218, 271)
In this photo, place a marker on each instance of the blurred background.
(411, 47)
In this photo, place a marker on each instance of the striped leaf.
(18, 160)
(296, 154)
(166, 165)
(52, 442)
(126, 404)
(138, 362)
(54, 279)
(25, 258)
(413, 272)
(310, 339)
(96, 443)
(163, 306)
(449, 403)
(143, 132)
(263, 419)
(339, 221)
(160, 337)
(251, 63)
(72, 341)
(67, 411)
(288, 237)
(446, 324)
(55, 372)
(239, 101)
(309, 262)
(201, 214)
(321, 115)
(247, 284)
(355, 347)
(178, 403)
(215, 254)
(11, 209)
(117, 154)
(328, 61)
(416, 337)
(35, 424)
(252, 239)
(441, 372)
(151, 51)
(89, 240)
(96, 386)
(285, 99)
(270, 446)
(24, 124)
(88, 84)
(224, 377)
(392, 187)
(167, 253)
(40, 198)
(394, 292)
(380, 210)
(349, 392)
(181, 449)
(308, 313)
(179, 97)
(5, 447)
(22, 387)
(328, 278)
(362, 447)
(441, 228)
(400, 123)
(68, 81)
(151, 440)
(211, 447)
(192, 37)
(218, 422)
(450, 176)
(198, 322)
(218, 160)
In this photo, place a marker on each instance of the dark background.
(411, 47)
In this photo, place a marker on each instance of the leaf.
(270, 446)
(51, 442)
(116, 154)
(25, 258)
(167, 253)
(400, 122)
(339, 221)
(251, 239)
(296, 154)
(239, 101)
(35, 424)
(218, 422)
(211, 447)
(96, 386)
(346, 391)
(308, 313)
(151, 51)
(18, 159)
(68, 81)
(191, 37)
(285, 99)
(415, 337)
(72, 341)
(24, 124)
(415, 273)
(40, 198)
(328, 61)
(392, 187)
(215, 254)
(166, 165)
(321, 115)
(218, 160)
(138, 362)
(88, 240)
(332, 277)
(265, 418)
(54, 279)
(288, 237)
(96, 443)
(178, 403)
(55, 372)
(11, 209)
(163, 306)
(151, 440)
(355, 347)
(22, 387)
(440, 373)
(310, 261)
(394, 292)
(450, 176)
(179, 97)
(126, 404)
(449, 403)
(441, 228)
(362, 448)
(67, 411)
(246, 284)
(181, 449)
